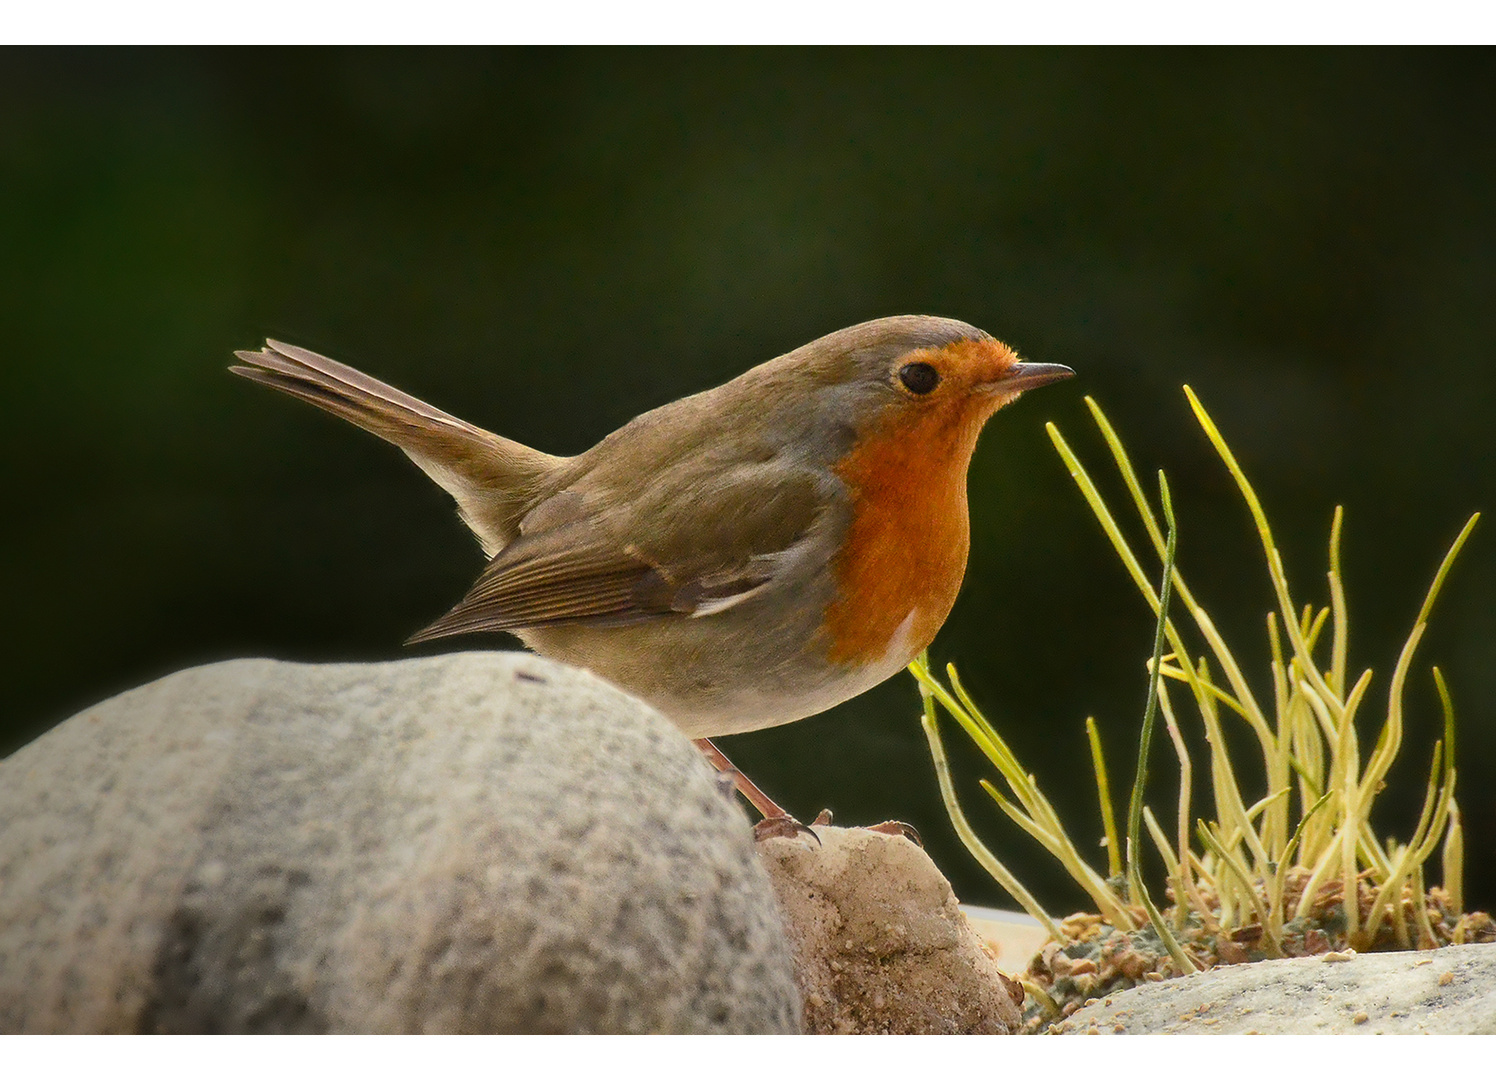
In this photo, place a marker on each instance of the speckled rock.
(880, 942)
(1449, 991)
(473, 842)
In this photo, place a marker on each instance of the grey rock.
(1449, 991)
(472, 842)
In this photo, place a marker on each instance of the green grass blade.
(1454, 860)
(1150, 713)
(1340, 634)
(989, 862)
(1104, 794)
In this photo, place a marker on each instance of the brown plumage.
(740, 558)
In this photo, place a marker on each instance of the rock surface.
(880, 942)
(1449, 991)
(473, 842)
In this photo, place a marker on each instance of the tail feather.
(492, 478)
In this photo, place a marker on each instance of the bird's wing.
(676, 549)
(488, 475)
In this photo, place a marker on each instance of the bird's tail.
(492, 478)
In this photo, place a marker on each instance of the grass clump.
(1298, 871)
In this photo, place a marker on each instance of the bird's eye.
(919, 377)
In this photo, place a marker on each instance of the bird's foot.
(892, 828)
(782, 825)
(898, 828)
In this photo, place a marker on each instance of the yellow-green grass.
(1299, 869)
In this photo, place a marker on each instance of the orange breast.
(905, 550)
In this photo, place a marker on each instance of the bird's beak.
(1025, 376)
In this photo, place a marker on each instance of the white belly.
(731, 713)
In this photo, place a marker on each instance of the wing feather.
(583, 569)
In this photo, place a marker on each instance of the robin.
(740, 558)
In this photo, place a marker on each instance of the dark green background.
(548, 243)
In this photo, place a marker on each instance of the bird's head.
(919, 372)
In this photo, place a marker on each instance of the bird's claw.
(892, 828)
(784, 826)
(898, 828)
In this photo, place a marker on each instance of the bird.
(740, 558)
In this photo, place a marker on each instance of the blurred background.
(550, 242)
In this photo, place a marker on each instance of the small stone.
(1360, 1018)
(1446, 978)
(845, 901)
(1229, 952)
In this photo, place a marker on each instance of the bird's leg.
(776, 822)
(751, 791)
